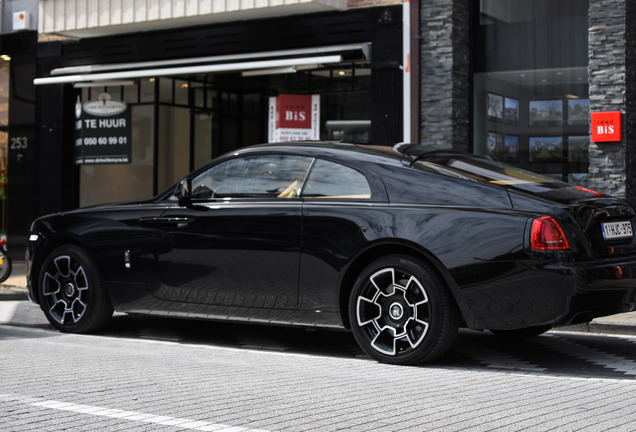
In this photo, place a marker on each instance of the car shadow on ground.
(554, 353)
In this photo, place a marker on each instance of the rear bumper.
(551, 294)
(602, 288)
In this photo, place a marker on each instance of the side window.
(266, 176)
(332, 180)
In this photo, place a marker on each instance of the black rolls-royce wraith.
(402, 245)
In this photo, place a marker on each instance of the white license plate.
(617, 230)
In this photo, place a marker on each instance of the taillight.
(546, 234)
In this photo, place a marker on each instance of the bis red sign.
(606, 126)
(294, 117)
(294, 111)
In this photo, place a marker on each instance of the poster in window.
(546, 112)
(546, 149)
(578, 149)
(495, 145)
(102, 131)
(495, 106)
(511, 111)
(578, 111)
(294, 117)
(510, 148)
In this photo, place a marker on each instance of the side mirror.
(183, 193)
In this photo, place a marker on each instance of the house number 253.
(19, 143)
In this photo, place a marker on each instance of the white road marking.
(142, 417)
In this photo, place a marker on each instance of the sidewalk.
(14, 288)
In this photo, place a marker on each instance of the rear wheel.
(401, 311)
(71, 293)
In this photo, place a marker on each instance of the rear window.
(488, 172)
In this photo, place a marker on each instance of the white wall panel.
(58, 14)
(191, 7)
(205, 7)
(115, 15)
(85, 18)
(104, 12)
(178, 8)
(153, 10)
(140, 10)
(165, 10)
(92, 13)
(127, 11)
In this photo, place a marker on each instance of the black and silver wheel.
(71, 294)
(401, 312)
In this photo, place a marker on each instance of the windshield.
(481, 170)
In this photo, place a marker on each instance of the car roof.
(401, 151)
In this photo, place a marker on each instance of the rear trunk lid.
(605, 223)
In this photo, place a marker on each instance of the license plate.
(617, 230)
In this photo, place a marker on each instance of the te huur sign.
(102, 132)
(606, 126)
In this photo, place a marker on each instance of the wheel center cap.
(69, 289)
(396, 311)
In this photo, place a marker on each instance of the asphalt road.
(158, 374)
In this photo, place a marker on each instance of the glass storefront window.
(531, 106)
(174, 144)
(198, 117)
(147, 90)
(104, 183)
(181, 92)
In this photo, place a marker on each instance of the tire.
(71, 293)
(5, 266)
(524, 333)
(401, 311)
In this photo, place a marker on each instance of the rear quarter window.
(331, 180)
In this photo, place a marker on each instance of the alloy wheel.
(65, 289)
(393, 311)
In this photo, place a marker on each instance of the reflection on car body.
(402, 245)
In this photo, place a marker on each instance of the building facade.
(514, 80)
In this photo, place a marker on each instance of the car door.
(336, 214)
(238, 242)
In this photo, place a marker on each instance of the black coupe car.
(402, 245)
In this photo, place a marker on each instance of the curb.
(13, 293)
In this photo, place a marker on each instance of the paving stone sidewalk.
(14, 288)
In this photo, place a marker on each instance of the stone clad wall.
(610, 163)
(445, 73)
(629, 128)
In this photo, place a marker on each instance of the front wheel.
(401, 311)
(71, 293)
